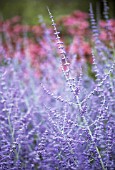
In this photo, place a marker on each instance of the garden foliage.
(63, 119)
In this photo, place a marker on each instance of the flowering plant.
(58, 121)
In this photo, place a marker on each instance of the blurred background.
(30, 9)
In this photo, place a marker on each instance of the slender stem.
(12, 134)
(90, 133)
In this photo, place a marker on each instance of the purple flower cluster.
(60, 121)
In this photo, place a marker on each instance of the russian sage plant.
(80, 132)
(64, 120)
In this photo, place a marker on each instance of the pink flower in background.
(16, 19)
(80, 46)
(103, 35)
(37, 30)
(68, 21)
(107, 30)
(80, 15)
(25, 28)
(76, 24)
(102, 24)
(18, 29)
(19, 40)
